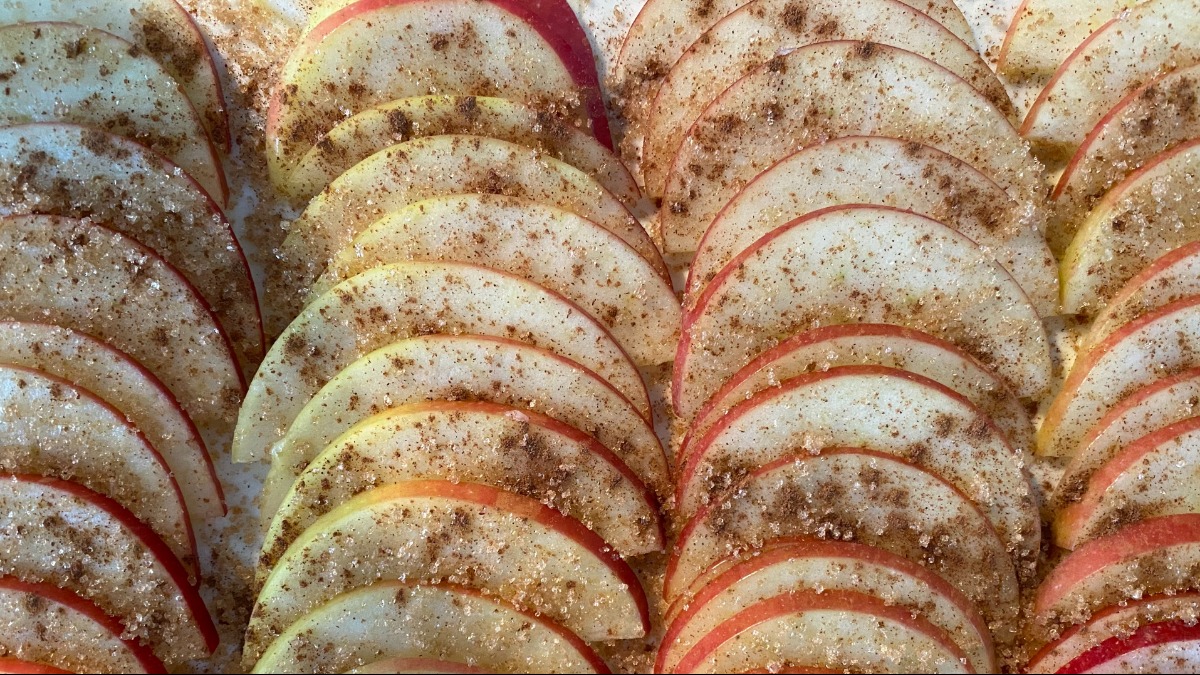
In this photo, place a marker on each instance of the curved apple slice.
(773, 111)
(86, 76)
(1149, 121)
(827, 566)
(1158, 344)
(513, 449)
(758, 31)
(415, 665)
(835, 625)
(406, 621)
(872, 498)
(104, 284)
(393, 302)
(820, 349)
(440, 367)
(10, 665)
(438, 166)
(902, 415)
(1170, 647)
(1145, 217)
(53, 428)
(556, 249)
(53, 531)
(438, 531)
(859, 264)
(1131, 49)
(528, 124)
(77, 172)
(1169, 279)
(163, 28)
(40, 619)
(1043, 34)
(919, 178)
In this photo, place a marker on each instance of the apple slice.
(10, 665)
(393, 302)
(872, 498)
(433, 368)
(1171, 647)
(40, 618)
(556, 249)
(838, 625)
(1169, 279)
(459, 47)
(74, 171)
(513, 449)
(821, 349)
(1043, 34)
(404, 621)
(827, 566)
(438, 166)
(438, 531)
(1137, 222)
(779, 108)
(86, 76)
(53, 531)
(53, 428)
(87, 278)
(415, 665)
(163, 28)
(758, 31)
(890, 411)
(1123, 54)
(1159, 344)
(526, 124)
(135, 392)
(919, 178)
(1149, 121)
(859, 264)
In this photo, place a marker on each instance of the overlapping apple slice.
(862, 88)
(1044, 32)
(86, 76)
(859, 264)
(1171, 647)
(403, 623)
(1122, 55)
(438, 531)
(760, 30)
(57, 532)
(854, 170)
(87, 278)
(1169, 279)
(69, 170)
(467, 368)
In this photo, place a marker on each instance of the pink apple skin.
(8, 665)
(1031, 116)
(1152, 635)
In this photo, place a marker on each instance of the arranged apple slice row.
(1169, 279)
(1044, 32)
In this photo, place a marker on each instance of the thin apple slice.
(57, 532)
(415, 665)
(854, 170)
(162, 28)
(1170, 647)
(1145, 217)
(74, 171)
(438, 531)
(135, 392)
(556, 249)
(526, 124)
(53, 428)
(1169, 279)
(826, 566)
(87, 278)
(393, 302)
(1148, 122)
(513, 449)
(1120, 56)
(437, 166)
(405, 621)
(11, 665)
(439, 367)
(1043, 34)
(86, 76)
(859, 264)
(872, 498)
(862, 89)
(1159, 344)
(820, 349)
(838, 625)
(889, 411)
(40, 619)
(760, 30)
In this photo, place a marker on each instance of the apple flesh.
(1043, 34)
(404, 622)
(414, 665)
(1169, 279)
